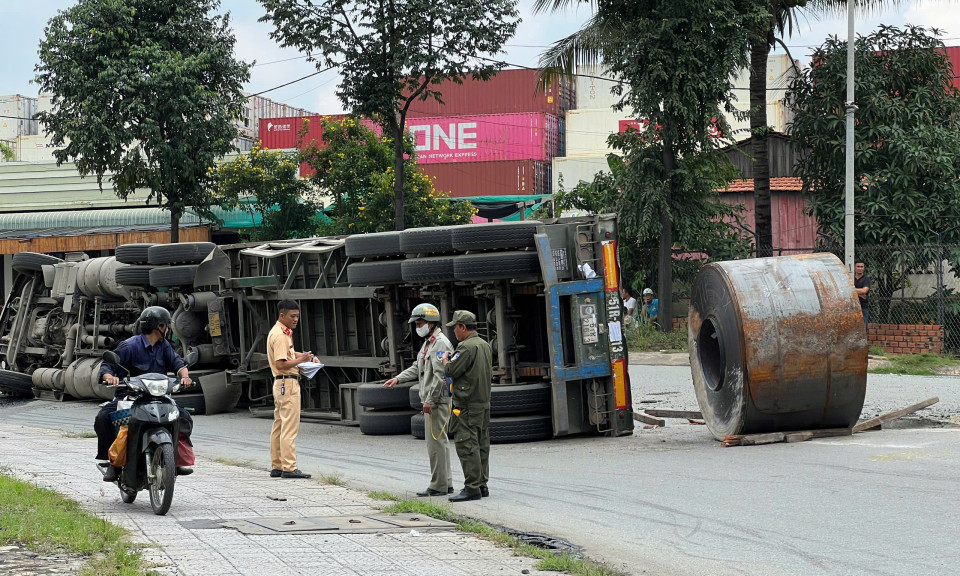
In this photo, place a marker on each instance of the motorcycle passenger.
(147, 352)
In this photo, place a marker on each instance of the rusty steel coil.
(777, 344)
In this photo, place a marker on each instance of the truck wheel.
(520, 398)
(498, 235)
(417, 426)
(384, 422)
(378, 244)
(439, 269)
(32, 261)
(16, 384)
(365, 273)
(520, 429)
(133, 253)
(414, 393)
(376, 396)
(427, 240)
(496, 265)
(192, 400)
(134, 275)
(183, 253)
(165, 276)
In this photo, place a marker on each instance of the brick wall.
(907, 338)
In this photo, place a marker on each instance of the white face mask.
(422, 331)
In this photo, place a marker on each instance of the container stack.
(16, 121)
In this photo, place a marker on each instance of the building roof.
(776, 185)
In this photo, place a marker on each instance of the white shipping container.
(587, 130)
(573, 170)
(16, 116)
(592, 90)
(780, 72)
(35, 149)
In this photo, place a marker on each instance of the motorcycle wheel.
(164, 475)
(128, 496)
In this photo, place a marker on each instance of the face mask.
(422, 331)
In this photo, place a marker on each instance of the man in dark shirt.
(861, 284)
(148, 352)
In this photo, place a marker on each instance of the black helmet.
(151, 318)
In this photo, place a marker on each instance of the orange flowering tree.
(354, 168)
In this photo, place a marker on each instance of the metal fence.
(911, 284)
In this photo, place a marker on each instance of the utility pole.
(850, 107)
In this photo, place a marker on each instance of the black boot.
(111, 474)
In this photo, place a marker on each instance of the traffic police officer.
(471, 367)
(434, 395)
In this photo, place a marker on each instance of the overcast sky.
(23, 23)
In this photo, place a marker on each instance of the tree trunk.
(665, 285)
(398, 175)
(759, 148)
(174, 227)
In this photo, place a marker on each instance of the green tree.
(355, 167)
(145, 91)
(675, 59)
(907, 153)
(6, 151)
(391, 54)
(268, 183)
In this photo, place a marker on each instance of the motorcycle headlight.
(156, 387)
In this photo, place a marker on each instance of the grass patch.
(333, 479)
(86, 434)
(564, 562)
(44, 521)
(235, 462)
(917, 364)
(384, 496)
(647, 338)
(877, 351)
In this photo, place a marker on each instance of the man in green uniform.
(471, 368)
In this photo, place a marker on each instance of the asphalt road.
(672, 501)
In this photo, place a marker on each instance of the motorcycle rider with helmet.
(147, 352)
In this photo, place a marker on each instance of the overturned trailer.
(546, 295)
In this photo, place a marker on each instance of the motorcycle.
(152, 435)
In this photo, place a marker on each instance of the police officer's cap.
(463, 317)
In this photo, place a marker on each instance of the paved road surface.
(671, 501)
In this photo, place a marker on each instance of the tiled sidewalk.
(189, 540)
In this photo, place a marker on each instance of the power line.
(292, 81)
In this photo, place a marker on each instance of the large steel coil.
(777, 344)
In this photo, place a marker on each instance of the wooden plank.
(758, 439)
(895, 414)
(805, 435)
(686, 414)
(641, 417)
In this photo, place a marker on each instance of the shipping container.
(35, 148)
(485, 138)
(594, 87)
(780, 72)
(572, 170)
(17, 116)
(953, 54)
(509, 92)
(588, 129)
(490, 178)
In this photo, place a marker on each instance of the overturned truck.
(546, 295)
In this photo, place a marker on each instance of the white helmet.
(647, 291)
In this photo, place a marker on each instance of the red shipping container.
(509, 92)
(953, 54)
(486, 138)
(508, 178)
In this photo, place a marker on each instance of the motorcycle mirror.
(111, 357)
(192, 357)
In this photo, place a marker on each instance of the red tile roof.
(776, 184)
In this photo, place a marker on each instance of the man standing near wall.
(861, 284)
(471, 367)
(284, 362)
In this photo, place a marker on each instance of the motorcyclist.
(147, 352)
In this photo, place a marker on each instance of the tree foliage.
(143, 91)
(6, 152)
(268, 183)
(391, 54)
(354, 165)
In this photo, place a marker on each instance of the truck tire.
(414, 393)
(378, 244)
(166, 276)
(134, 275)
(427, 240)
(133, 253)
(438, 269)
(376, 396)
(15, 383)
(496, 265)
(498, 235)
(183, 253)
(520, 428)
(417, 427)
(520, 399)
(366, 273)
(192, 400)
(384, 422)
(32, 261)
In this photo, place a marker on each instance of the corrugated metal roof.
(84, 231)
(122, 217)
